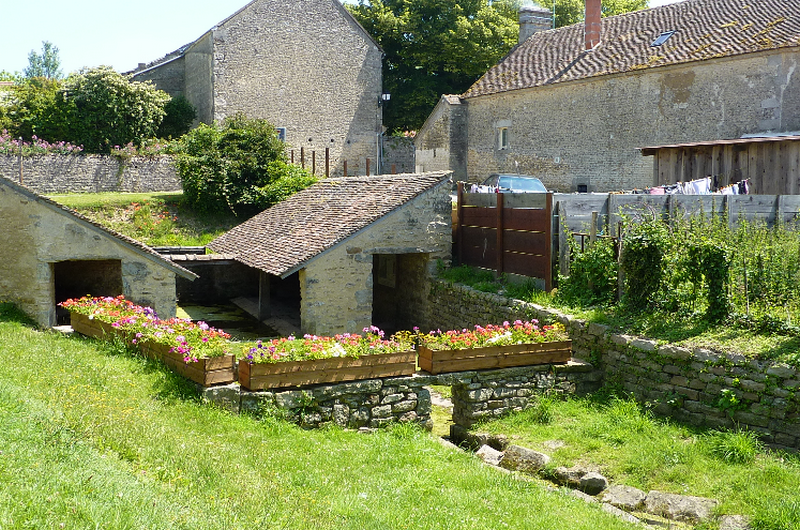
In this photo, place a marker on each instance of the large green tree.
(105, 109)
(238, 166)
(436, 47)
(568, 12)
(46, 64)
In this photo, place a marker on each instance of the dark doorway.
(73, 279)
(400, 285)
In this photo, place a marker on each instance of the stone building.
(51, 253)
(308, 67)
(571, 105)
(348, 252)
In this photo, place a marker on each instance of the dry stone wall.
(92, 173)
(693, 385)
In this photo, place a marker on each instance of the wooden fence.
(506, 232)
(533, 233)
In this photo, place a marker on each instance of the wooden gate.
(506, 232)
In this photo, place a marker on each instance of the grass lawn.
(156, 219)
(631, 447)
(95, 438)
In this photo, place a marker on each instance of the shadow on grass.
(11, 313)
(167, 386)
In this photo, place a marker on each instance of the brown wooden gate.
(506, 232)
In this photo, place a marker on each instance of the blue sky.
(102, 32)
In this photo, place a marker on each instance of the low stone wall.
(92, 173)
(377, 402)
(367, 403)
(694, 385)
(488, 394)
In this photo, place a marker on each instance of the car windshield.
(522, 184)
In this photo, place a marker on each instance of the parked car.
(510, 183)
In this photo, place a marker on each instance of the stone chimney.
(532, 19)
(593, 24)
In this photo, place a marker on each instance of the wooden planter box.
(442, 361)
(206, 371)
(91, 327)
(260, 376)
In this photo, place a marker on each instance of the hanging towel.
(659, 190)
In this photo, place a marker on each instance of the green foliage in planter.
(239, 166)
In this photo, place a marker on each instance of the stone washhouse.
(347, 253)
(52, 253)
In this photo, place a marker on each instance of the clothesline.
(703, 186)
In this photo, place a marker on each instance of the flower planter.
(261, 376)
(206, 371)
(443, 361)
(91, 327)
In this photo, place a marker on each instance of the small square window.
(502, 138)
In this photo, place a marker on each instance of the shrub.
(592, 276)
(178, 117)
(103, 109)
(239, 166)
(643, 250)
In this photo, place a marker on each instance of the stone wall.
(398, 155)
(377, 402)
(694, 385)
(488, 394)
(441, 143)
(367, 403)
(92, 173)
(587, 132)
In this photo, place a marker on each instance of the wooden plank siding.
(509, 233)
(773, 167)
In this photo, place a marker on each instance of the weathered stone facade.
(306, 66)
(92, 173)
(398, 155)
(338, 287)
(48, 251)
(694, 385)
(571, 105)
(441, 143)
(587, 132)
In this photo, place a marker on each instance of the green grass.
(156, 219)
(93, 437)
(631, 447)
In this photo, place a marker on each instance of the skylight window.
(662, 38)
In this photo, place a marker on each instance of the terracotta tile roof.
(135, 245)
(279, 240)
(704, 29)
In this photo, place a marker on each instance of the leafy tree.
(178, 118)
(434, 47)
(105, 109)
(30, 108)
(569, 12)
(239, 166)
(47, 64)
